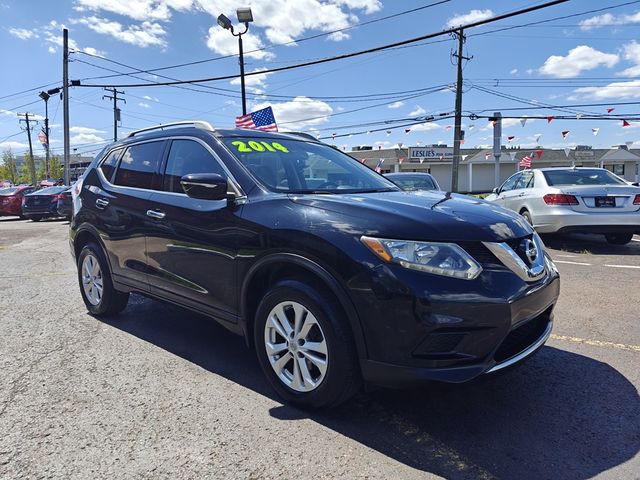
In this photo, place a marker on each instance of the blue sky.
(591, 58)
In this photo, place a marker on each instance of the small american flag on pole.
(526, 161)
(378, 168)
(260, 120)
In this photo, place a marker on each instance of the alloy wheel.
(92, 282)
(296, 347)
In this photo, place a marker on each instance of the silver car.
(582, 200)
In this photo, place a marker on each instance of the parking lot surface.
(159, 392)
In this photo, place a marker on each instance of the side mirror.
(636, 184)
(205, 186)
(495, 190)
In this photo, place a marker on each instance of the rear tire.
(312, 359)
(618, 238)
(527, 216)
(95, 282)
(36, 218)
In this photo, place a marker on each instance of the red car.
(11, 199)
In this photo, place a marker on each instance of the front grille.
(520, 338)
(438, 343)
(480, 253)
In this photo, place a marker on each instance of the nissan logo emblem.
(530, 250)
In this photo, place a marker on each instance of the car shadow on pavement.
(561, 415)
(593, 244)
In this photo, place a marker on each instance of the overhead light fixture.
(244, 15)
(44, 95)
(224, 22)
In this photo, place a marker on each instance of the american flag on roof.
(526, 161)
(260, 120)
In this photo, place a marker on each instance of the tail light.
(636, 201)
(559, 199)
(60, 196)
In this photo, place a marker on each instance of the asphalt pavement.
(159, 392)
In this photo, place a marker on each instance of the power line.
(343, 56)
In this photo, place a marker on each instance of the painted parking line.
(596, 343)
(567, 256)
(623, 266)
(572, 263)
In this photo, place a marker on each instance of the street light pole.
(45, 96)
(244, 16)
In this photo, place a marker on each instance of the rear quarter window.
(108, 165)
(138, 165)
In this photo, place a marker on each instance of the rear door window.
(185, 157)
(139, 164)
(108, 165)
(510, 183)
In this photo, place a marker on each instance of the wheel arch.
(86, 234)
(268, 270)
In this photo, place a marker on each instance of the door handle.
(521, 195)
(156, 215)
(101, 203)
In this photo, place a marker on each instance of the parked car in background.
(42, 203)
(334, 283)
(580, 200)
(412, 181)
(65, 204)
(11, 199)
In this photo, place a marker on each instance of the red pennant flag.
(625, 123)
(609, 110)
(487, 155)
(565, 134)
(364, 160)
(510, 138)
(539, 153)
(333, 135)
(407, 130)
(379, 147)
(441, 157)
(400, 160)
(549, 118)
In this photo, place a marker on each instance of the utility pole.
(65, 103)
(497, 145)
(116, 110)
(457, 135)
(32, 163)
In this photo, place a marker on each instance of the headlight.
(446, 259)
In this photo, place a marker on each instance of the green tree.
(9, 168)
(41, 172)
(56, 167)
(25, 174)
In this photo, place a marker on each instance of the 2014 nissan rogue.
(332, 273)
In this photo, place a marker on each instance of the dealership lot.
(160, 392)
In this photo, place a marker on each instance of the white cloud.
(144, 34)
(513, 71)
(140, 10)
(13, 145)
(144, 105)
(629, 89)
(425, 127)
(397, 104)
(472, 16)
(151, 99)
(299, 113)
(418, 111)
(7, 112)
(608, 19)
(23, 33)
(369, 6)
(85, 138)
(85, 130)
(631, 52)
(578, 60)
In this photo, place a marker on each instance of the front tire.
(95, 282)
(305, 347)
(36, 218)
(618, 238)
(527, 216)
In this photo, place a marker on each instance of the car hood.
(422, 215)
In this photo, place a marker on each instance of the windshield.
(296, 166)
(8, 191)
(413, 182)
(581, 177)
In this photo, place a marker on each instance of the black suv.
(332, 273)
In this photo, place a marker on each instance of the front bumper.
(421, 327)
(566, 220)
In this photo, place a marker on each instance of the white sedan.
(582, 200)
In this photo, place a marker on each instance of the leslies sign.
(431, 153)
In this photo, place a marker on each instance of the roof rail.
(194, 123)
